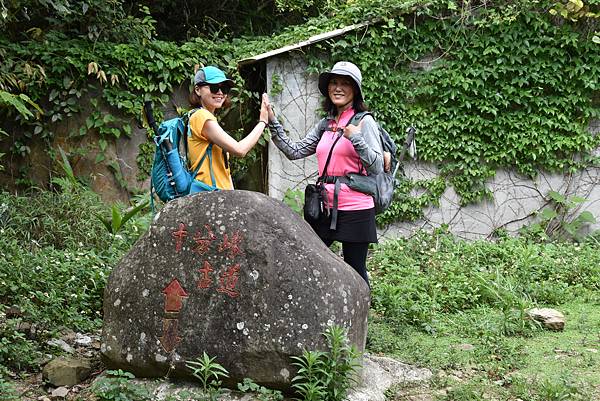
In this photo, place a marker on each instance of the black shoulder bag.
(315, 195)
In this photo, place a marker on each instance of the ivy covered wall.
(508, 85)
(501, 106)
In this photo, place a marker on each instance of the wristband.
(263, 121)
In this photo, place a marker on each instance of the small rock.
(465, 347)
(60, 392)
(43, 398)
(82, 339)
(550, 318)
(592, 350)
(66, 371)
(62, 345)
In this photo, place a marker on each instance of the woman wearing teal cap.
(211, 90)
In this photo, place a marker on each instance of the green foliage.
(557, 221)
(55, 257)
(16, 350)
(262, 393)
(294, 199)
(415, 280)
(117, 386)
(20, 103)
(466, 392)
(327, 376)
(550, 389)
(7, 391)
(209, 373)
(118, 219)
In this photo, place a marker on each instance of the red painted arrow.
(174, 292)
(169, 340)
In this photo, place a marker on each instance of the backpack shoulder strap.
(187, 132)
(323, 125)
(359, 116)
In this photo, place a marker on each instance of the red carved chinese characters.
(205, 281)
(179, 236)
(170, 339)
(203, 243)
(228, 281)
(231, 245)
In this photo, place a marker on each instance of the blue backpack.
(171, 176)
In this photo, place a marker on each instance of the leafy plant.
(503, 292)
(327, 376)
(262, 393)
(20, 103)
(7, 391)
(558, 221)
(209, 373)
(294, 199)
(117, 386)
(16, 351)
(118, 219)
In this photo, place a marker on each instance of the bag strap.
(187, 132)
(334, 212)
(355, 120)
(323, 125)
(210, 169)
(328, 159)
(208, 152)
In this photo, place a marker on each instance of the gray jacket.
(366, 142)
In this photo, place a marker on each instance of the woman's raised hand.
(264, 108)
(269, 107)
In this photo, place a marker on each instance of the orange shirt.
(197, 145)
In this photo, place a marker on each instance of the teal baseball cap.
(211, 75)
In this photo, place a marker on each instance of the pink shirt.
(344, 160)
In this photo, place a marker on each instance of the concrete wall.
(297, 109)
(515, 199)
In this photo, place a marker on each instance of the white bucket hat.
(341, 68)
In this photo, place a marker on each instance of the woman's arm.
(366, 142)
(215, 134)
(294, 150)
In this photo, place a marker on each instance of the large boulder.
(237, 275)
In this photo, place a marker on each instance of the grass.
(459, 307)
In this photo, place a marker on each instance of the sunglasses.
(214, 88)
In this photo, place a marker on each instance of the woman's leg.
(355, 254)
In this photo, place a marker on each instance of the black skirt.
(352, 226)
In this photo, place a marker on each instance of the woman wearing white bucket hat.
(350, 149)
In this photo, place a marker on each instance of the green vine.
(507, 85)
(518, 93)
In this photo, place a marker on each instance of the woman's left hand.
(351, 129)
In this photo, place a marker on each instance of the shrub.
(117, 386)
(55, 257)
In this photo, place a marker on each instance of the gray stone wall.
(515, 198)
(296, 108)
